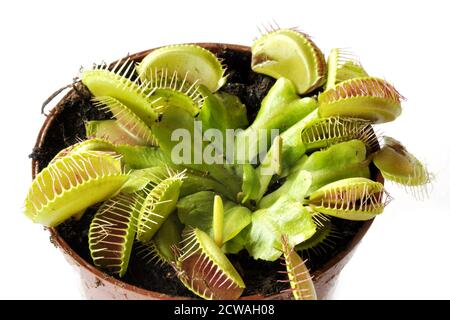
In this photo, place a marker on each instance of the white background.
(43, 44)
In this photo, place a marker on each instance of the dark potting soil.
(259, 276)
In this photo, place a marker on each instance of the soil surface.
(260, 276)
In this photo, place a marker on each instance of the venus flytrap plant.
(368, 98)
(139, 211)
(112, 231)
(324, 132)
(194, 61)
(102, 82)
(300, 60)
(205, 270)
(352, 199)
(302, 286)
(171, 96)
(159, 249)
(177, 197)
(71, 184)
(111, 131)
(165, 89)
(143, 179)
(351, 92)
(137, 130)
(86, 146)
(314, 133)
(342, 65)
(156, 203)
(398, 165)
(321, 242)
(149, 254)
(167, 236)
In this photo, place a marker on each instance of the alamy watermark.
(212, 146)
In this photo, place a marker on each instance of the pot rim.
(64, 246)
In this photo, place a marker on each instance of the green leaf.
(139, 179)
(222, 111)
(175, 118)
(236, 218)
(134, 157)
(280, 109)
(250, 183)
(236, 244)
(167, 236)
(269, 224)
(296, 185)
(343, 160)
(141, 157)
(193, 182)
(196, 210)
(292, 149)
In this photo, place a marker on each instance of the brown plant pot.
(99, 285)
